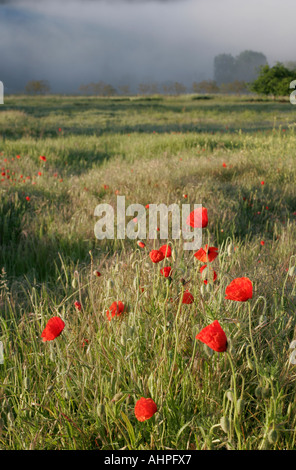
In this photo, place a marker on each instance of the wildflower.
(43, 158)
(78, 305)
(240, 289)
(262, 243)
(116, 309)
(207, 255)
(166, 250)
(28, 198)
(213, 336)
(141, 244)
(145, 408)
(156, 256)
(198, 218)
(53, 329)
(166, 271)
(208, 273)
(96, 273)
(187, 298)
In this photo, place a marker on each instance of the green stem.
(235, 401)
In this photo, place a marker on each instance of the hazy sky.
(74, 42)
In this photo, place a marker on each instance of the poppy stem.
(234, 400)
(251, 338)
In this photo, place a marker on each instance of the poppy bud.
(10, 419)
(225, 424)
(292, 271)
(229, 395)
(272, 436)
(100, 409)
(240, 406)
(230, 249)
(110, 283)
(265, 391)
(136, 283)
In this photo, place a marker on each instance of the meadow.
(234, 155)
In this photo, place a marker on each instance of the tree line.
(248, 72)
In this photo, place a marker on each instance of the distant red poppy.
(96, 273)
(198, 218)
(147, 206)
(141, 244)
(53, 329)
(166, 271)
(214, 274)
(262, 242)
(262, 182)
(213, 336)
(187, 298)
(39, 173)
(156, 256)
(224, 165)
(28, 198)
(43, 158)
(116, 309)
(77, 305)
(145, 408)
(240, 289)
(207, 255)
(18, 156)
(166, 250)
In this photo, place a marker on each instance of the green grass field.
(79, 390)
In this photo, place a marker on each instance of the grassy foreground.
(79, 390)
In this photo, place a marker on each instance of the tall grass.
(79, 391)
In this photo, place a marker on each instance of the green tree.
(224, 68)
(273, 81)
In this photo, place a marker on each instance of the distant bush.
(37, 87)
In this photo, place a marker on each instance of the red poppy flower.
(166, 250)
(187, 298)
(207, 255)
(213, 336)
(39, 173)
(96, 273)
(224, 165)
(43, 158)
(145, 408)
(262, 242)
(262, 182)
(147, 206)
(198, 218)
(53, 328)
(116, 309)
(156, 256)
(78, 305)
(28, 198)
(18, 156)
(141, 244)
(211, 271)
(240, 289)
(166, 271)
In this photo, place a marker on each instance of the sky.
(75, 42)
